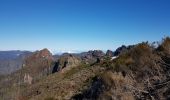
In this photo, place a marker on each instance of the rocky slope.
(141, 73)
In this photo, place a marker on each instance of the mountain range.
(135, 72)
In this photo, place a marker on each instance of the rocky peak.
(39, 56)
(39, 62)
(98, 53)
(45, 53)
(109, 53)
(66, 62)
(92, 56)
(122, 49)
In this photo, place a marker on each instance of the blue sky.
(81, 24)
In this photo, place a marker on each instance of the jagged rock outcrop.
(39, 63)
(27, 79)
(122, 49)
(39, 55)
(109, 53)
(66, 62)
(92, 56)
(97, 53)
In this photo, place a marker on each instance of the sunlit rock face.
(44, 54)
(28, 79)
(38, 64)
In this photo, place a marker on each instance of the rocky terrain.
(138, 72)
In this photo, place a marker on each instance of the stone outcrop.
(92, 56)
(39, 63)
(109, 53)
(122, 49)
(28, 79)
(42, 54)
(66, 62)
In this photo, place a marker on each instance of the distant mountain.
(122, 49)
(91, 56)
(11, 61)
(60, 52)
(11, 54)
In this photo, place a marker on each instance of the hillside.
(138, 72)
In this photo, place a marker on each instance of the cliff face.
(39, 56)
(39, 63)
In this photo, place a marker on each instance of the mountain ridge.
(138, 72)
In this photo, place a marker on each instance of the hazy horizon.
(81, 24)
